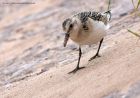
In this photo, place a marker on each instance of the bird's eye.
(71, 26)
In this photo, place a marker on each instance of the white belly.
(94, 38)
(97, 31)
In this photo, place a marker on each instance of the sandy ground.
(33, 63)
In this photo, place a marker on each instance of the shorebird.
(86, 28)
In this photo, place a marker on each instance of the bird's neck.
(74, 34)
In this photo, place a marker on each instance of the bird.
(86, 28)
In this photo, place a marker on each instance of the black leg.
(77, 67)
(97, 54)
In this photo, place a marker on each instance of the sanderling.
(86, 28)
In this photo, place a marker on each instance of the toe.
(94, 57)
(75, 70)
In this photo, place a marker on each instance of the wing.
(83, 16)
(104, 17)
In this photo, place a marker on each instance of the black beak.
(66, 39)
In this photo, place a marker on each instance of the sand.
(34, 64)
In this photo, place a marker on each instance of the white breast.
(97, 31)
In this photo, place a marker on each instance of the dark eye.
(71, 25)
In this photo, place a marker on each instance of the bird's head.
(68, 27)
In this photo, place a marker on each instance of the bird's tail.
(108, 15)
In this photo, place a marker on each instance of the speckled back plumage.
(97, 16)
(83, 17)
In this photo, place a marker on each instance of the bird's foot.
(76, 69)
(95, 56)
